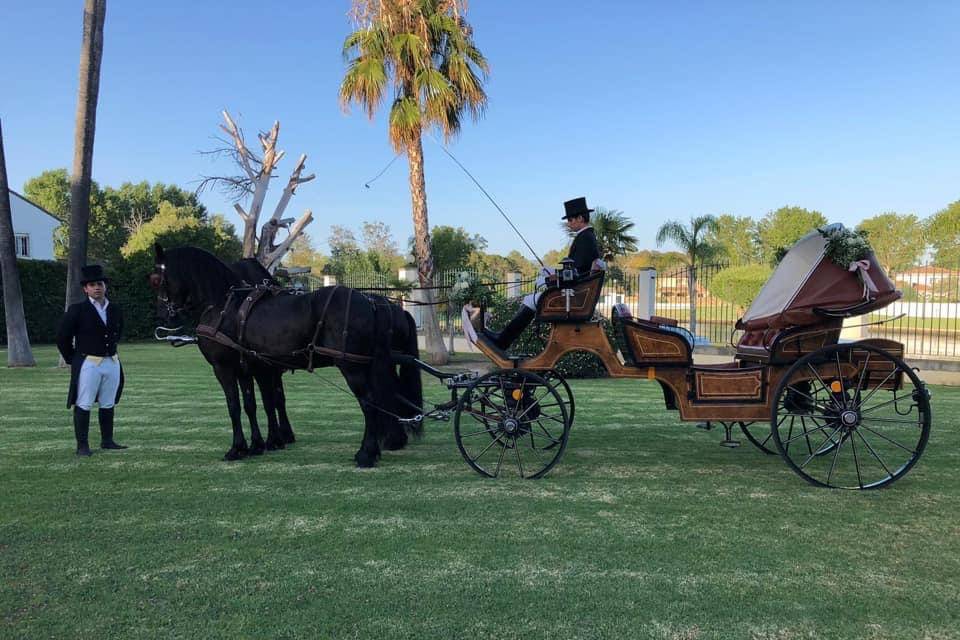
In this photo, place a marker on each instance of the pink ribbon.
(864, 267)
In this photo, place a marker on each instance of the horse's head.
(173, 297)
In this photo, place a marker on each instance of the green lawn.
(646, 529)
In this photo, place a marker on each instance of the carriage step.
(730, 444)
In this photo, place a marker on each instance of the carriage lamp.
(836, 386)
(517, 394)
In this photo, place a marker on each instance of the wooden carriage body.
(799, 310)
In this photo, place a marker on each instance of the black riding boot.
(81, 429)
(513, 329)
(106, 430)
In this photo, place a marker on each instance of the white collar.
(582, 230)
(97, 305)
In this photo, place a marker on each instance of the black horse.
(334, 326)
(404, 340)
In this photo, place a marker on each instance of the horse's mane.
(252, 271)
(208, 277)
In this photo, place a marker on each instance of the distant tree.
(425, 50)
(346, 255)
(303, 254)
(51, 190)
(737, 238)
(553, 257)
(943, 234)
(782, 228)
(513, 262)
(178, 226)
(452, 247)
(19, 353)
(897, 240)
(698, 250)
(380, 248)
(659, 260)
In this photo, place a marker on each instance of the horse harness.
(312, 349)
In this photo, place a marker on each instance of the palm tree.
(91, 52)
(693, 241)
(18, 342)
(424, 49)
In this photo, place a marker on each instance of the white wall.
(36, 223)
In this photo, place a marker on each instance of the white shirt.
(582, 230)
(101, 311)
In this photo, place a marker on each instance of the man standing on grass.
(87, 340)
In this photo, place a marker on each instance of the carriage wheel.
(760, 435)
(556, 380)
(860, 429)
(512, 418)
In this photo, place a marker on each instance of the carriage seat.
(777, 346)
(655, 341)
(552, 305)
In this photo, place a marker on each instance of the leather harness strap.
(213, 332)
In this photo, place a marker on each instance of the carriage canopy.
(807, 282)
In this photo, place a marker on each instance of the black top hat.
(575, 207)
(92, 273)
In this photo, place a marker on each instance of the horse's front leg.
(257, 447)
(227, 378)
(359, 383)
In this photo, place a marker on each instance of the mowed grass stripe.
(646, 528)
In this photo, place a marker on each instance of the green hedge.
(43, 282)
(580, 364)
(740, 285)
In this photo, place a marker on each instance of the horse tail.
(411, 384)
(383, 378)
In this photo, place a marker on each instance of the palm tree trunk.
(692, 290)
(91, 52)
(18, 342)
(421, 242)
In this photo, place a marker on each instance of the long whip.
(489, 197)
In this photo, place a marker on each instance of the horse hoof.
(275, 445)
(234, 454)
(257, 451)
(365, 460)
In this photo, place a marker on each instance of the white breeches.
(98, 382)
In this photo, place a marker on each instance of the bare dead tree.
(253, 182)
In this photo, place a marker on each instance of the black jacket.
(584, 251)
(82, 333)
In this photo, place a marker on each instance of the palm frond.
(364, 84)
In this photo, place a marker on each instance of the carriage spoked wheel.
(553, 377)
(760, 435)
(851, 416)
(512, 418)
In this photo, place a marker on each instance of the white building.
(33, 228)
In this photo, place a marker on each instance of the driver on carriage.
(583, 251)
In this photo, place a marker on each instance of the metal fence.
(926, 320)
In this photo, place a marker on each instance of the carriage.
(841, 414)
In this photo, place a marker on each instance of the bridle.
(160, 284)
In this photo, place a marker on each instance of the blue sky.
(661, 110)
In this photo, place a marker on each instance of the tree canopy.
(943, 234)
(782, 228)
(897, 240)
